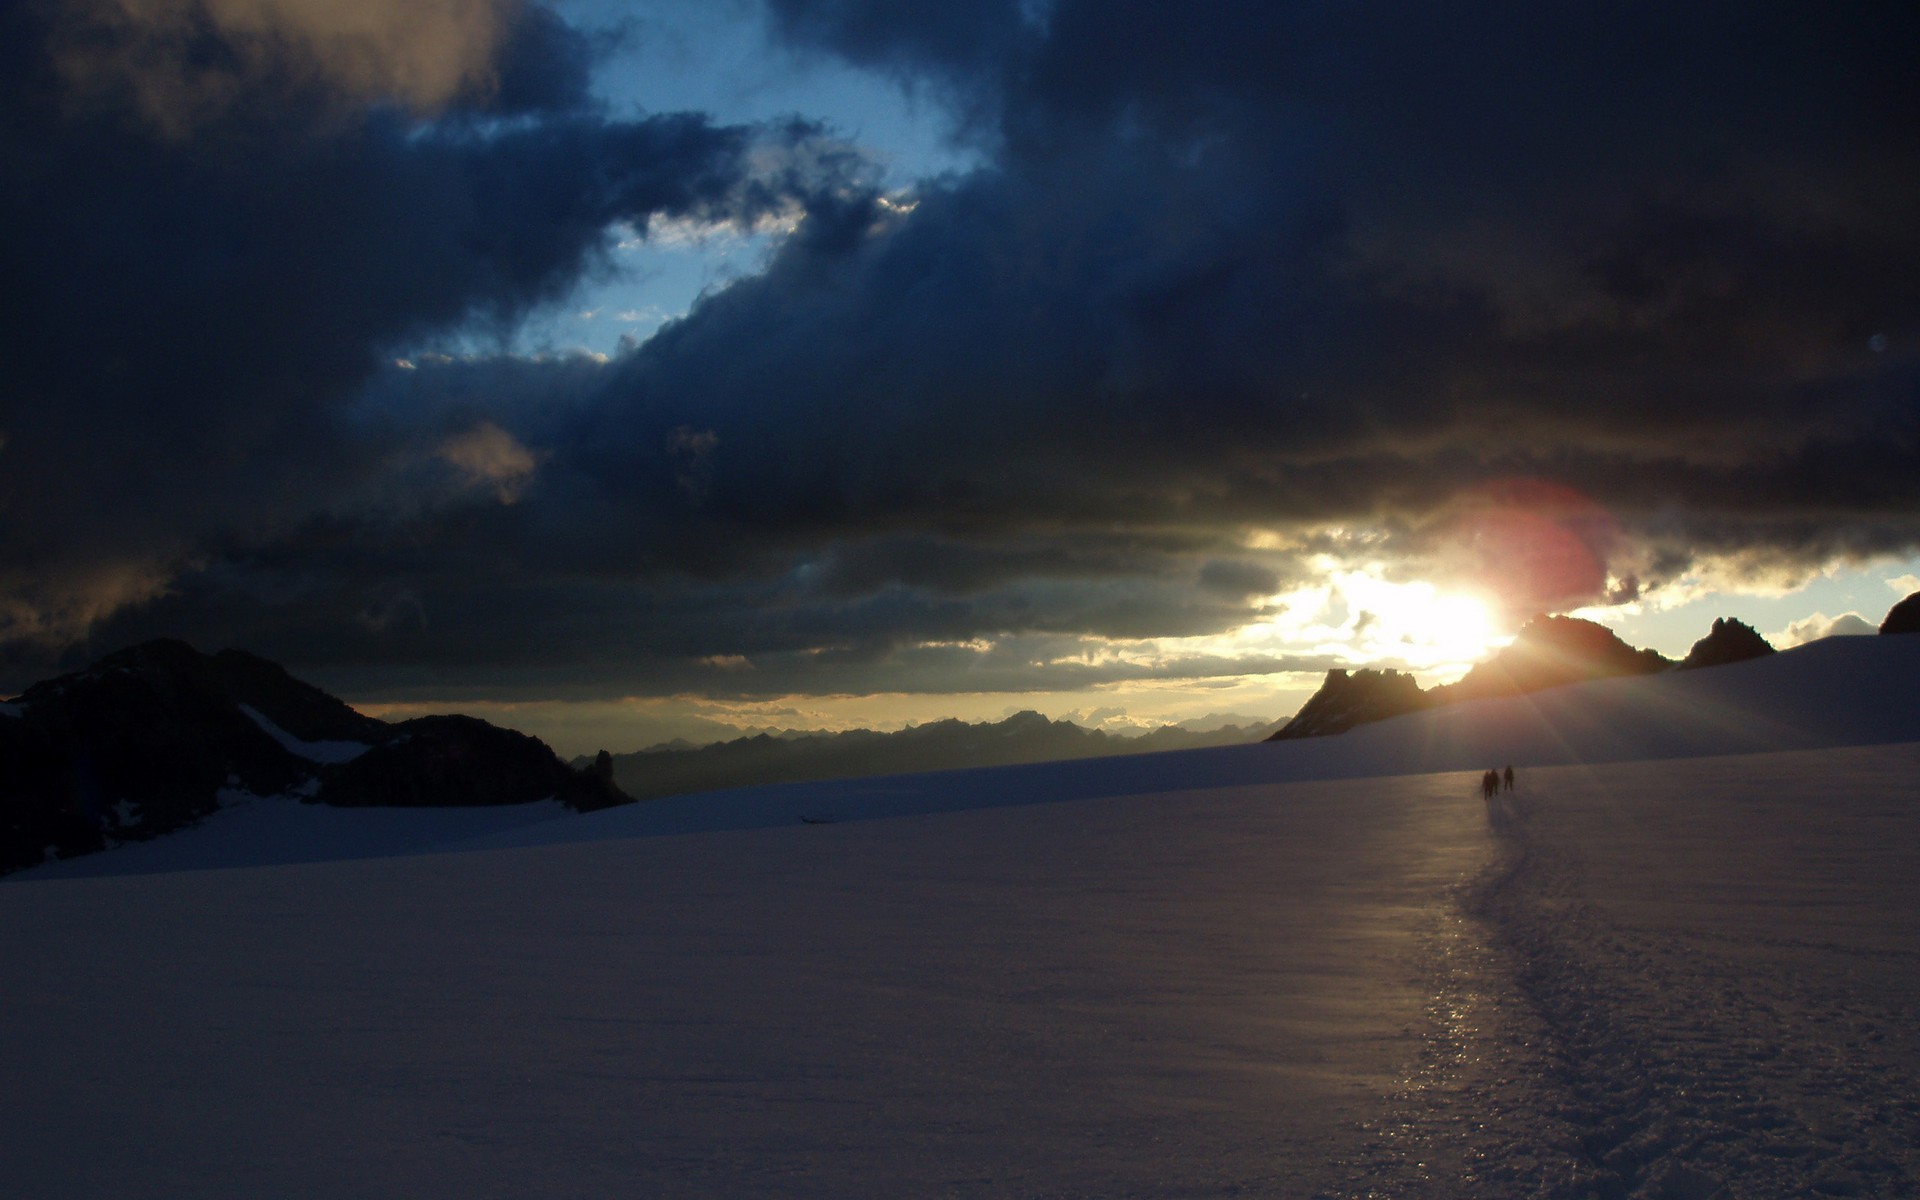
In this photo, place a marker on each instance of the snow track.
(1687, 1073)
(1589, 1040)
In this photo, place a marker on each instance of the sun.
(1417, 623)
(1457, 626)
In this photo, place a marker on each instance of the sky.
(629, 371)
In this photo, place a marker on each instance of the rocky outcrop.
(1730, 641)
(1547, 652)
(455, 760)
(146, 740)
(1344, 701)
(1903, 617)
(1551, 652)
(157, 736)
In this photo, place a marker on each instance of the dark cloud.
(334, 601)
(1235, 578)
(220, 231)
(1291, 264)
(1560, 299)
(964, 52)
(178, 65)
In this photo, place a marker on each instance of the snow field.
(1191, 994)
(1241, 972)
(1665, 979)
(254, 831)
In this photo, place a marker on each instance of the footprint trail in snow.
(1679, 980)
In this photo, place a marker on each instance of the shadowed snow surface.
(1152, 995)
(253, 830)
(1687, 978)
(1645, 975)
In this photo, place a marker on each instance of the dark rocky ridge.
(146, 740)
(1547, 652)
(1730, 641)
(1344, 701)
(1551, 652)
(1903, 617)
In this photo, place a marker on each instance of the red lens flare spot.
(1533, 545)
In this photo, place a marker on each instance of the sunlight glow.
(1349, 617)
(1361, 618)
(1415, 623)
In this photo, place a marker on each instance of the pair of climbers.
(1491, 782)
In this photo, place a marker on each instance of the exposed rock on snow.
(1903, 617)
(1344, 701)
(158, 724)
(1551, 652)
(1730, 642)
(1548, 652)
(454, 760)
(169, 729)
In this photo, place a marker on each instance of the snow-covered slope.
(1681, 978)
(253, 830)
(1838, 692)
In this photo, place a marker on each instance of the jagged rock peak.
(1903, 617)
(1731, 641)
(1549, 652)
(1344, 701)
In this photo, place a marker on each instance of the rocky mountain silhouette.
(157, 736)
(1903, 617)
(1547, 652)
(1730, 641)
(1344, 701)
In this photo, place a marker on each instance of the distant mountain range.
(1026, 737)
(158, 736)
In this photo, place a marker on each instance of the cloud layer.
(1558, 302)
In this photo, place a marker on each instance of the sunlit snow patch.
(314, 752)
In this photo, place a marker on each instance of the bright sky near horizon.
(625, 371)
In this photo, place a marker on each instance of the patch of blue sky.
(646, 284)
(715, 57)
